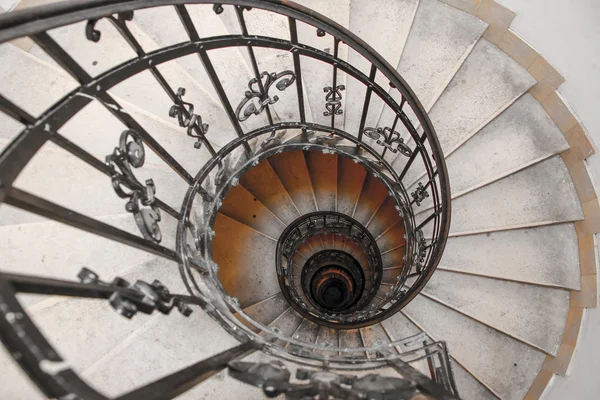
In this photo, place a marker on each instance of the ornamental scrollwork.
(184, 112)
(141, 203)
(333, 100)
(91, 33)
(389, 139)
(256, 100)
(420, 194)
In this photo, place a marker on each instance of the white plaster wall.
(567, 34)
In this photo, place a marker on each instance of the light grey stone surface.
(468, 387)
(504, 364)
(486, 83)
(539, 195)
(531, 313)
(544, 255)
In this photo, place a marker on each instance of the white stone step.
(539, 195)
(468, 387)
(141, 89)
(486, 84)
(543, 255)
(533, 314)
(521, 136)
(293, 173)
(306, 332)
(161, 348)
(57, 176)
(236, 244)
(372, 334)
(60, 251)
(387, 37)
(94, 128)
(286, 323)
(440, 39)
(266, 311)
(505, 365)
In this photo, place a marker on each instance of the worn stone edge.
(581, 147)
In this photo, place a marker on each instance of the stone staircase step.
(265, 311)
(372, 196)
(242, 206)
(291, 169)
(505, 365)
(323, 170)
(468, 387)
(262, 181)
(519, 200)
(537, 315)
(286, 323)
(543, 255)
(385, 219)
(350, 179)
(388, 37)
(230, 246)
(371, 334)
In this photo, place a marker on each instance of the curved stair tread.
(486, 83)
(323, 170)
(505, 365)
(236, 244)
(61, 322)
(350, 180)
(350, 339)
(533, 314)
(372, 196)
(306, 333)
(469, 388)
(373, 333)
(61, 250)
(328, 337)
(386, 218)
(387, 37)
(521, 136)
(262, 181)
(242, 206)
(543, 255)
(291, 169)
(539, 195)
(170, 351)
(440, 39)
(64, 179)
(286, 323)
(265, 311)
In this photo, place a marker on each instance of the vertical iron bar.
(297, 69)
(68, 64)
(192, 33)
(336, 45)
(37, 205)
(240, 14)
(393, 127)
(363, 118)
(15, 112)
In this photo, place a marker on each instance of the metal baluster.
(37, 205)
(68, 64)
(336, 45)
(192, 33)
(392, 131)
(297, 70)
(365, 111)
(240, 15)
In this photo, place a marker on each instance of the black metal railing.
(391, 151)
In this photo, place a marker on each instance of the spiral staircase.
(199, 197)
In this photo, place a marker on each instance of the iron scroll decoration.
(256, 100)
(141, 204)
(389, 139)
(184, 112)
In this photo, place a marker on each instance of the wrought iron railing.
(398, 152)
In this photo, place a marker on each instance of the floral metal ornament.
(184, 112)
(391, 140)
(257, 98)
(141, 204)
(420, 194)
(333, 100)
